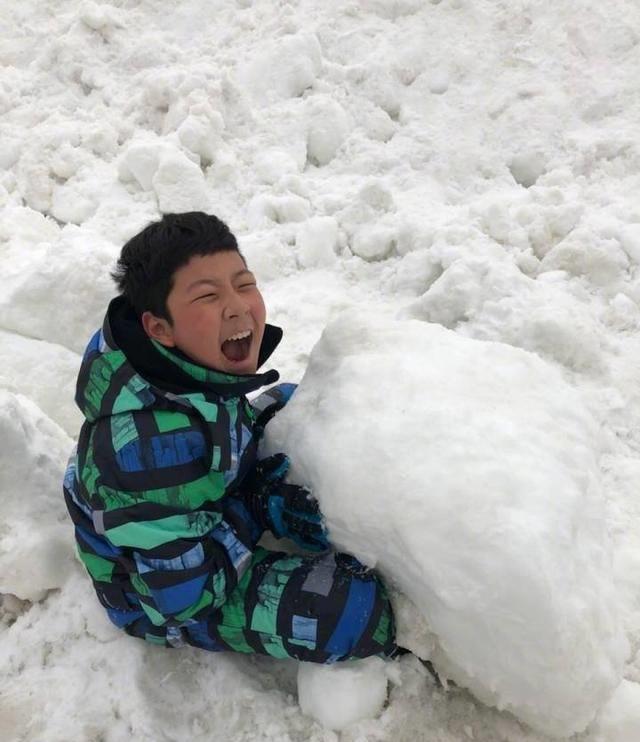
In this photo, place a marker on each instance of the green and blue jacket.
(151, 487)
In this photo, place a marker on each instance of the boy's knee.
(364, 623)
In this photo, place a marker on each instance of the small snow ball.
(342, 694)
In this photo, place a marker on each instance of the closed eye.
(205, 296)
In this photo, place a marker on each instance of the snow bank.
(474, 163)
(467, 472)
(35, 552)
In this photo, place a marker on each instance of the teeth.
(240, 335)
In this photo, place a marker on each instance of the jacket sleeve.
(186, 543)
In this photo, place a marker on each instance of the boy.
(165, 489)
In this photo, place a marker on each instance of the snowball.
(316, 242)
(469, 477)
(341, 694)
(329, 126)
(36, 554)
(180, 185)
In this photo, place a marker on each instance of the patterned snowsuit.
(154, 491)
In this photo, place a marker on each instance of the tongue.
(236, 350)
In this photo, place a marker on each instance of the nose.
(236, 306)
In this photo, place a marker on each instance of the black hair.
(144, 271)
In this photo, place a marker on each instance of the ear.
(158, 328)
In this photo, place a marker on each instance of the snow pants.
(322, 609)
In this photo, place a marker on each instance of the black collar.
(122, 329)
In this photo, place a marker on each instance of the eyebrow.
(214, 281)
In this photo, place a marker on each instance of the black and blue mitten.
(287, 510)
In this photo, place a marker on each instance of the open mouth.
(238, 346)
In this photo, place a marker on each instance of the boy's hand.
(269, 402)
(294, 512)
(287, 510)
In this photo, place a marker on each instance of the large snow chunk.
(36, 553)
(467, 472)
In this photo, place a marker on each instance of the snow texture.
(472, 165)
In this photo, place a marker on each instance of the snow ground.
(473, 164)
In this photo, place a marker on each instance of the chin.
(240, 367)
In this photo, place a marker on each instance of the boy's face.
(214, 298)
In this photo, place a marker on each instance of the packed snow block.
(36, 554)
(467, 472)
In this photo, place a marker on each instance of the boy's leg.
(317, 609)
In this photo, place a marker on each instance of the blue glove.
(287, 510)
(269, 402)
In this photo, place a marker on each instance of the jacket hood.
(124, 370)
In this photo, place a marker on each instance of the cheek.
(259, 310)
(201, 326)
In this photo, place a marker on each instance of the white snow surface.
(468, 475)
(473, 165)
